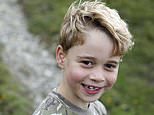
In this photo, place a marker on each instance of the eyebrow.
(93, 58)
(86, 57)
(115, 62)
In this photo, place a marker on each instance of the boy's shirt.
(55, 104)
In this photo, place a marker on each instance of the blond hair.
(80, 15)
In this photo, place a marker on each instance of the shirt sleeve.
(100, 108)
(50, 106)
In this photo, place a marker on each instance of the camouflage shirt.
(55, 104)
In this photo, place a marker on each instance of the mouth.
(91, 89)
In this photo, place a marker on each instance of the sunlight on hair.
(82, 14)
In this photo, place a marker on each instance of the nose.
(98, 75)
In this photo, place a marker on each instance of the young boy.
(92, 43)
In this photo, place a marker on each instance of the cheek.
(112, 79)
(75, 75)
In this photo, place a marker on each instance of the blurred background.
(29, 30)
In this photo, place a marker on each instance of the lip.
(91, 89)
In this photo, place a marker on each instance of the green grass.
(133, 93)
(13, 99)
(45, 17)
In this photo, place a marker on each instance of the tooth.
(91, 87)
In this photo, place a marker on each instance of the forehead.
(95, 31)
(98, 40)
(96, 43)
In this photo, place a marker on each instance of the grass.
(13, 99)
(45, 17)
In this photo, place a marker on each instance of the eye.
(110, 66)
(87, 63)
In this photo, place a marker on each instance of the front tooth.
(91, 87)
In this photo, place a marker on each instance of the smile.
(90, 89)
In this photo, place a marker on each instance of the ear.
(60, 56)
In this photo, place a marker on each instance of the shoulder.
(99, 107)
(50, 105)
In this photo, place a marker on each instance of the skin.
(89, 69)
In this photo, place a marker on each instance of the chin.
(92, 98)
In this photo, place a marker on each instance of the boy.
(92, 43)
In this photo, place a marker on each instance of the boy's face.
(89, 69)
